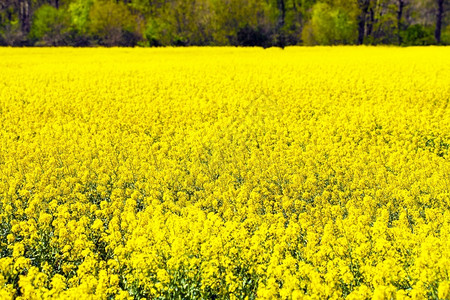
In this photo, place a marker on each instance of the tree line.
(223, 22)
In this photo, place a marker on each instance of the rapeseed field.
(225, 173)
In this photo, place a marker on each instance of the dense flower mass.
(225, 173)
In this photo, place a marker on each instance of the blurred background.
(263, 23)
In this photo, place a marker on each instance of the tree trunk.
(439, 15)
(281, 21)
(282, 9)
(401, 5)
(364, 7)
(371, 21)
(25, 15)
(361, 25)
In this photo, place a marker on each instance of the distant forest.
(263, 23)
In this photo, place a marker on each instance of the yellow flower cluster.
(225, 173)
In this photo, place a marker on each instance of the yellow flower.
(307, 173)
(98, 224)
(444, 290)
(18, 250)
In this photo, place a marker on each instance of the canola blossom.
(225, 173)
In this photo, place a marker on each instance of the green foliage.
(148, 8)
(445, 38)
(238, 21)
(158, 33)
(329, 26)
(218, 22)
(185, 23)
(10, 34)
(79, 11)
(296, 13)
(112, 24)
(385, 29)
(10, 27)
(192, 22)
(418, 35)
(50, 26)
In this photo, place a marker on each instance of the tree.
(386, 21)
(50, 26)
(281, 40)
(112, 24)
(79, 11)
(223, 22)
(401, 5)
(330, 26)
(439, 16)
(25, 15)
(149, 8)
(192, 20)
(244, 22)
(364, 8)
